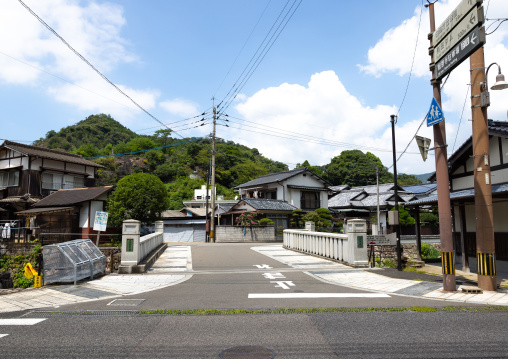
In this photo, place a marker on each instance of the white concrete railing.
(148, 243)
(329, 245)
(350, 248)
(134, 247)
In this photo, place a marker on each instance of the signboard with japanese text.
(453, 19)
(469, 44)
(101, 221)
(382, 239)
(472, 20)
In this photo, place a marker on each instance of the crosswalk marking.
(316, 295)
(21, 321)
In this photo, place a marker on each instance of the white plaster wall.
(463, 183)
(76, 168)
(499, 176)
(83, 213)
(53, 164)
(494, 151)
(469, 164)
(504, 144)
(500, 217)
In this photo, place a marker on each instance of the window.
(310, 200)
(56, 181)
(9, 178)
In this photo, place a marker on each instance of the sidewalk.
(175, 258)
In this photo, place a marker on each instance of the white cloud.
(180, 107)
(93, 30)
(323, 119)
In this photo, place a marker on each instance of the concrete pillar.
(159, 227)
(130, 244)
(357, 242)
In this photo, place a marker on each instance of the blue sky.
(329, 83)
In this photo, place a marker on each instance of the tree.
(405, 218)
(296, 220)
(321, 218)
(314, 169)
(407, 180)
(356, 168)
(139, 196)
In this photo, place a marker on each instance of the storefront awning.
(47, 210)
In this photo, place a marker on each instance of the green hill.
(97, 130)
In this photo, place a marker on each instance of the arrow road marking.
(315, 295)
(22, 321)
(283, 284)
(273, 275)
(262, 266)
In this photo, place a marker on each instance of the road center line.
(3, 335)
(21, 321)
(315, 295)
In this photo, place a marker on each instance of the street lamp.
(500, 84)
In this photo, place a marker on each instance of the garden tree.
(356, 168)
(430, 218)
(139, 196)
(319, 170)
(405, 218)
(407, 180)
(296, 219)
(321, 218)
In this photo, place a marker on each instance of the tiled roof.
(421, 188)
(66, 197)
(278, 177)
(225, 207)
(268, 204)
(308, 188)
(339, 188)
(170, 213)
(42, 152)
(343, 199)
(466, 193)
(199, 212)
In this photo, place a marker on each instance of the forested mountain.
(183, 164)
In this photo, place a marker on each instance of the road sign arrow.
(473, 38)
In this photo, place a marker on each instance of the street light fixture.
(500, 84)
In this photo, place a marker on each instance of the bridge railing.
(350, 248)
(136, 249)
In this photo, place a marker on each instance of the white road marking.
(316, 295)
(3, 335)
(285, 284)
(21, 321)
(273, 275)
(262, 266)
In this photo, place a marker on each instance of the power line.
(413, 61)
(90, 65)
(241, 81)
(460, 121)
(246, 41)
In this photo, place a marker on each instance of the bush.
(266, 222)
(429, 252)
(15, 265)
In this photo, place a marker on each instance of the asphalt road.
(224, 275)
(326, 335)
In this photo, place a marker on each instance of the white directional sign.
(435, 114)
(453, 19)
(471, 21)
(382, 239)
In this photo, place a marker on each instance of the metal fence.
(72, 261)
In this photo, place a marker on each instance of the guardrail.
(139, 253)
(350, 248)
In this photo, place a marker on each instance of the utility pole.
(485, 244)
(396, 217)
(212, 190)
(443, 182)
(378, 216)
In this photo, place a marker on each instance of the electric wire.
(413, 61)
(458, 128)
(259, 47)
(90, 65)
(260, 57)
(500, 22)
(241, 50)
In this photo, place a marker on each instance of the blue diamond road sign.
(435, 114)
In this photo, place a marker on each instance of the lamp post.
(500, 84)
